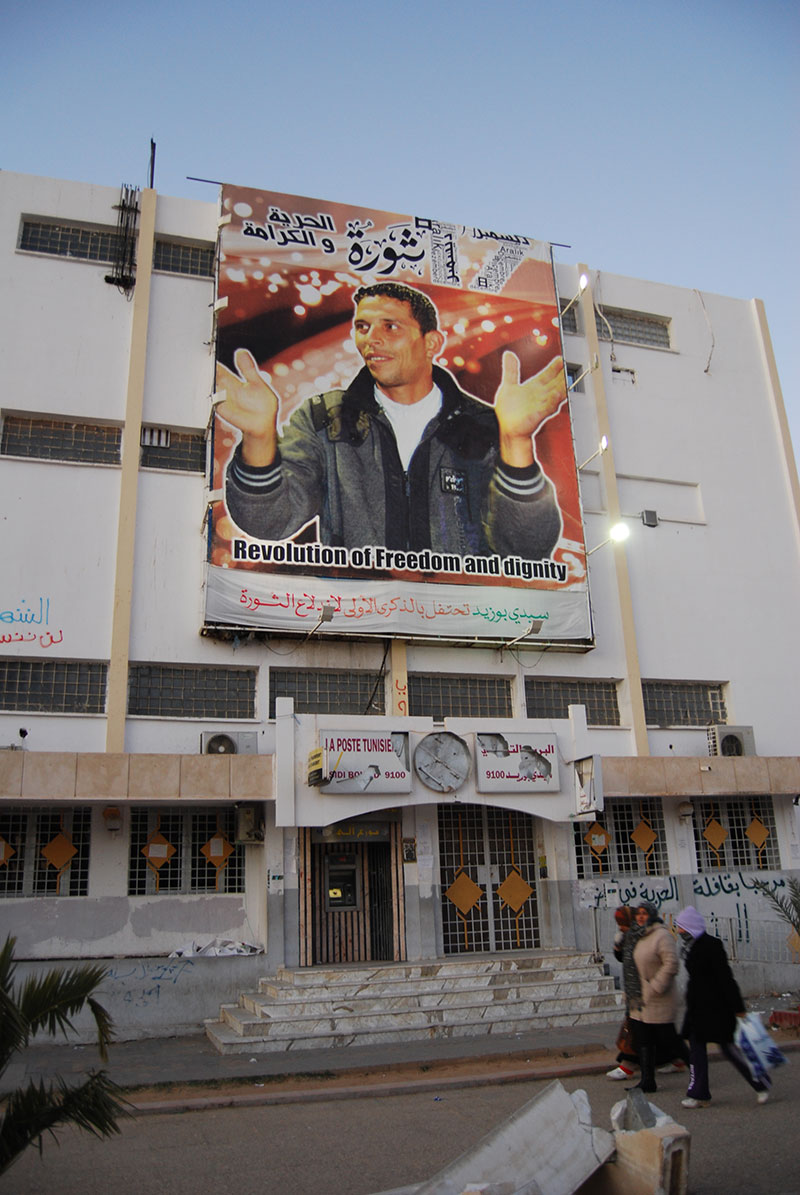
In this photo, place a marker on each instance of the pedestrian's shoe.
(762, 1097)
(673, 1068)
(691, 1102)
(619, 1072)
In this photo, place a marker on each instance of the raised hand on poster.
(522, 407)
(251, 405)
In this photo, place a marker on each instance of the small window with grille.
(60, 440)
(53, 686)
(735, 835)
(190, 691)
(184, 851)
(551, 697)
(569, 319)
(44, 851)
(451, 695)
(180, 452)
(182, 257)
(82, 242)
(683, 703)
(322, 691)
(633, 326)
(627, 838)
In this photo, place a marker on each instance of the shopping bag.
(757, 1047)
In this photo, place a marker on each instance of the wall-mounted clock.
(442, 761)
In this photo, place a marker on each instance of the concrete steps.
(317, 1008)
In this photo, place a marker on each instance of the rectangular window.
(83, 242)
(53, 686)
(60, 440)
(683, 703)
(316, 691)
(736, 835)
(181, 452)
(178, 257)
(574, 377)
(627, 838)
(551, 697)
(190, 691)
(44, 851)
(452, 695)
(632, 326)
(569, 319)
(184, 851)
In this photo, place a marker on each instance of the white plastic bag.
(759, 1050)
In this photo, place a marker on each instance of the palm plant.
(47, 1002)
(787, 907)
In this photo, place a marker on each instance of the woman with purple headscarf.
(713, 1002)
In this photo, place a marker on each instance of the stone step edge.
(362, 1001)
(232, 1014)
(226, 1040)
(499, 983)
(493, 978)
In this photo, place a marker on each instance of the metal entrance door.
(488, 876)
(351, 900)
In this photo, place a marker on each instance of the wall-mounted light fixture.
(325, 616)
(583, 282)
(617, 535)
(685, 810)
(601, 447)
(533, 629)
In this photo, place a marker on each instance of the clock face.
(442, 761)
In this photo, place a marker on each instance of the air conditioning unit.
(731, 740)
(229, 742)
(249, 825)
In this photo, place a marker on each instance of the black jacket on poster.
(713, 998)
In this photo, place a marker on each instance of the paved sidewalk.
(202, 1078)
(184, 1060)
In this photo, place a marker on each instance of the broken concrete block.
(548, 1147)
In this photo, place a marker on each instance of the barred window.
(683, 703)
(627, 838)
(190, 691)
(569, 319)
(551, 697)
(60, 440)
(183, 452)
(85, 242)
(736, 835)
(53, 686)
(44, 851)
(178, 257)
(184, 851)
(317, 691)
(633, 326)
(451, 695)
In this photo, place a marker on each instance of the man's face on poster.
(396, 352)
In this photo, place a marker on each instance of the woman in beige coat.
(652, 992)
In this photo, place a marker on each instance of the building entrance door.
(488, 878)
(351, 895)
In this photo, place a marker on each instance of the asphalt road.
(361, 1146)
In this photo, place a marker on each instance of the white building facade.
(671, 734)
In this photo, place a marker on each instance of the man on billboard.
(403, 457)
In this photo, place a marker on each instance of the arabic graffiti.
(29, 616)
(140, 983)
(609, 894)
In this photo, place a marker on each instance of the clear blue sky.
(657, 140)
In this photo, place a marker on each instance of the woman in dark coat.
(713, 1002)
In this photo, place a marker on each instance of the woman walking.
(713, 1002)
(650, 964)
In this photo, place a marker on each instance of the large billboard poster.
(392, 445)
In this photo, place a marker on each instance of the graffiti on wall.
(140, 983)
(29, 623)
